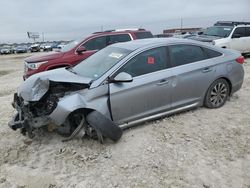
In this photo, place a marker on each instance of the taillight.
(240, 60)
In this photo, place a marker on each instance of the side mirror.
(236, 35)
(122, 77)
(81, 49)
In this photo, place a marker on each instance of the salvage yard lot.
(199, 148)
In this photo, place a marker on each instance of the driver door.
(149, 92)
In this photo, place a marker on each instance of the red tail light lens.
(240, 60)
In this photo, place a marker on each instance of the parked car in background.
(34, 48)
(20, 49)
(80, 49)
(227, 34)
(128, 83)
(46, 47)
(6, 50)
(61, 45)
(163, 35)
(54, 45)
(185, 35)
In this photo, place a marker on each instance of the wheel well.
(70, 118)
(229, 83)
(84, 111)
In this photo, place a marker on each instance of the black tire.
(217, 94)
(104, 125)
(246, 55)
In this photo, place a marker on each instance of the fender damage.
(51, 97)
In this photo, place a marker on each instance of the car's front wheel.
(217, 94)
(104, 126)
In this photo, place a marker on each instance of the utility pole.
(181, 24)
(102, 28)
(43, 36)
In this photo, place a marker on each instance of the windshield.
(100, 62)
(218, 31)
(71, 45)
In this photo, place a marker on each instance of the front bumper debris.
(24, 119)
(15, 123)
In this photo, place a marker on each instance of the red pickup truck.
(80, 49)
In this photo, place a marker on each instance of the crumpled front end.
(31, 115)
(36, 99)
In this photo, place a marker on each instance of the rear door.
(148, 93)
(193, 72)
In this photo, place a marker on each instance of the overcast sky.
(65, 19)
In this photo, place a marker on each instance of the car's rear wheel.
(217, 94)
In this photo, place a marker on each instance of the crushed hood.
(44, 57)
(35, 87)
(204, 38)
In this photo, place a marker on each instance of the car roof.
(230, 23)
(95, 34)
(114, 31)
(135, 44)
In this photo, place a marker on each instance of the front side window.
(184, 54)
(240, 31)
(149, 61)
(96, 43)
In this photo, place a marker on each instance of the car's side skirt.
(156, 116)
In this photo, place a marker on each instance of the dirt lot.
(200, 148)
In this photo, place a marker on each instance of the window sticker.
(115, 55)
(227, 29)
(151, 60)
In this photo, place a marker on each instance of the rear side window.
(96, 43)
(118, 38)
(143, 35)
(184, 54)
(211, 53)
(149, 61)
(240, 31)
(248, 31)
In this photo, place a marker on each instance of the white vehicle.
(225, 34)
(238, 39)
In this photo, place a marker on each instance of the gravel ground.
(200, 148)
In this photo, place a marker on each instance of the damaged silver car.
(126, 84)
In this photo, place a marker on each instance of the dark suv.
(80, 49)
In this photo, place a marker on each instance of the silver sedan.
(126, 84)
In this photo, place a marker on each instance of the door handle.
(207, 69)
(162, 82)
